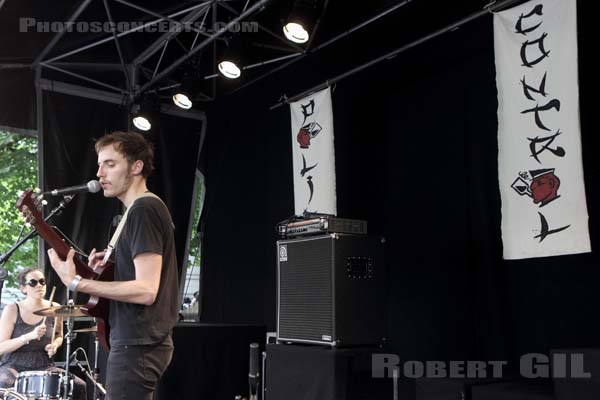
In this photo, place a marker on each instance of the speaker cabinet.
(330, 290)
(299, 372)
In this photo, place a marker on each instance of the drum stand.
(97, 385)
(96, 371)
(68, 336)
(92, 375)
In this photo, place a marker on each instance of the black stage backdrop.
(416, 156)
(17, 98)
(71, 126)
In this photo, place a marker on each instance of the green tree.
(18, 171)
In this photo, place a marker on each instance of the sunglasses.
(34, 282)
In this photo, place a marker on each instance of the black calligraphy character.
(305, 169)
(554, 103)
(308, 110)
(558, 151)
(537, 10)
(311, 187)
(540, 43)
(527, 89)
(544, 231)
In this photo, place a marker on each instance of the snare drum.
(42, 385)
(10, 394)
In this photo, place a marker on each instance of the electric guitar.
(29, 204)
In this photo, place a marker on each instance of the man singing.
(144, 306)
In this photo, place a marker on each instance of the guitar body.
(96, 307)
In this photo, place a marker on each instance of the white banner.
(544, 211)
(313, 154)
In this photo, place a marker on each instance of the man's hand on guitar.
(95, 259)
(65, 269)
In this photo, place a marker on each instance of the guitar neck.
(54, 241)
(29, 205)
(62, 249)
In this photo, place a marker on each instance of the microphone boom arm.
(61, 206)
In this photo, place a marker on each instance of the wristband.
(74, 283)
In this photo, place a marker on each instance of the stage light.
(182, 100)
(184, 94)
(229, 69)
(142, 123)
(141, 115)
(295, 32)
(299, 25)
(230, 61)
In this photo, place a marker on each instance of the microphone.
(253, 375)
(91, 187)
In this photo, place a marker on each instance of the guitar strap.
(115, 237)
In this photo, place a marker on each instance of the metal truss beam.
(121, 34)
(14, 66)
(257, 6)
(59, 35)
(85, 78)
(155, 14)
(113, 98)
(90, 66)
(118, 46)
(161, 42)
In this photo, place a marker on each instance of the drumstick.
(54, 329)
(53, 333)
(51, 297)
(55, 319)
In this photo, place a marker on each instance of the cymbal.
(84, 330)
(61, 311)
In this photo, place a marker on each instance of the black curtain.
(17, 99)
(416, 156)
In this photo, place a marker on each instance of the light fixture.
(295, 32)
(184, 94)
(141, 115)
(229, 69)
(142, 123)
(230, 63)
(298, 26)
(182, 100)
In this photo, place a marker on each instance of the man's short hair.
(132, 145)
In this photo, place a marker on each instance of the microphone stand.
(4, 257)
(69, 336)
(3, 275)
(92, 376)
(253, 375)
(96, 371)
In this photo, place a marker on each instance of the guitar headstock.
(30, 205)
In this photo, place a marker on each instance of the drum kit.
(57, 385)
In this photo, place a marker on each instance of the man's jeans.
(133, 371)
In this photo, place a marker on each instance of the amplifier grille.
(305, 291)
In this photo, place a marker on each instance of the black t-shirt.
(148, 229)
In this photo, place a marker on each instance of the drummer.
(25, 340)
